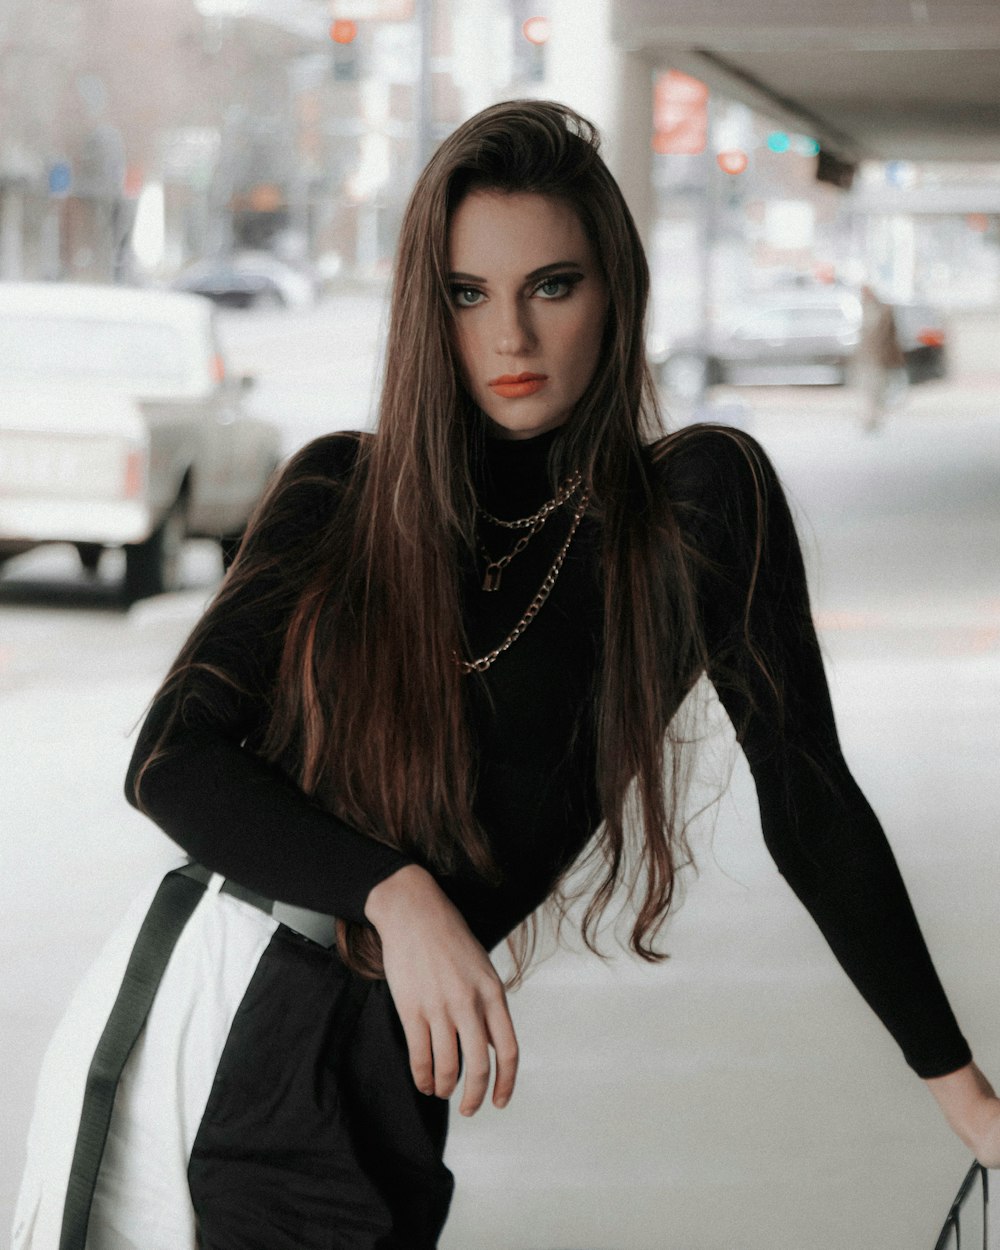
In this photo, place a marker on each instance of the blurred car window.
(137, 355)
(798, 320)
(774, 323)
(815, 321)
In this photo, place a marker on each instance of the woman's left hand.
(972, 1109)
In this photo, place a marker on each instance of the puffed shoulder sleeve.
(194, 770)
(764, 660)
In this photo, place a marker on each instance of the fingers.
(445, 1044)
(418, 1043)
(494, 1027)
(476, 1053)
(501, 1030)
(434, 1050)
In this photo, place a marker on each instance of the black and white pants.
(266, 1105)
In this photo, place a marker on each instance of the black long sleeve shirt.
(532, 723)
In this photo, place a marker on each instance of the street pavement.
(739, 1096)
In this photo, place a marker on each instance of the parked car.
(248, 279)
(119, 427)
(924, 340)
(797, 337)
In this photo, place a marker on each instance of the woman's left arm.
(765, 663)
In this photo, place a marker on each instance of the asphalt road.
(740, 1096)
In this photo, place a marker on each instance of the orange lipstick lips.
(518, 386)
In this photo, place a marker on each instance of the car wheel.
(90, 556)
(153, 567)
(686, 376)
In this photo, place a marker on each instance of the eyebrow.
(558, 265)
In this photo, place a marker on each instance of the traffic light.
(802, 145)
(344, 32)
(529, 55)
(732, 162)
(344, 35)
(536, 30)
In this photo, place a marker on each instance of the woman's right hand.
(445, 989)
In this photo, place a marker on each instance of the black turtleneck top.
(531, 716)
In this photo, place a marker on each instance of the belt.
(314, 925)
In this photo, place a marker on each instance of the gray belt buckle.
(311, 924)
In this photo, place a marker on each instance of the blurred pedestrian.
(878, 361)
(444, 667)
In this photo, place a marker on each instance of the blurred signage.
(680, 114)
(900, 173)
(371, 10)
(833, 169)
(60, 178)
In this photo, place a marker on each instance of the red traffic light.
(536, 30)
(733, 162)
(344, 31)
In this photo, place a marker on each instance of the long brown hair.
(368, 705)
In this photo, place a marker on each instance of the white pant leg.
(141, 1201)
(61, 1082)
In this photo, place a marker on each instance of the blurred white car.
(799, 336)
(119, 427)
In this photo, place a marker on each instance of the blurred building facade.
(139, 135)
(270, 124)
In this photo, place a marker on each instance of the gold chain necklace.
(491, 578)
(526, 522)
(534, 607)
(533, 523)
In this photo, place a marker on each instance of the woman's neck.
(512, 474)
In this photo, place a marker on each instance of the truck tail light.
(931, 338)
(135, 473)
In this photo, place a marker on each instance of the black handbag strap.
(169, 912)
(974, 1192)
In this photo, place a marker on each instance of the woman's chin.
(526, 426)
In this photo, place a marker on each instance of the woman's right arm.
(222, 803)
(243, 818)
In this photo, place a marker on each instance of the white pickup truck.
(119, 426)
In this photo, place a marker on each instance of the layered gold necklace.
(533, 523)
(494, 568)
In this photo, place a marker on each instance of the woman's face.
(529, 304)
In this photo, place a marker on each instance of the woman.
(878, 358)
(445, 663)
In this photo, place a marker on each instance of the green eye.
(557, 287)
(465, 296)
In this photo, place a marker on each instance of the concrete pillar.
(611, 87)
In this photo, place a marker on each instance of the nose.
(514, 333)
